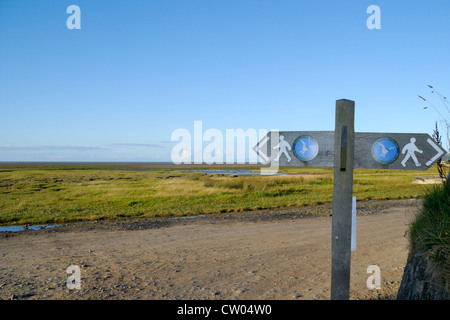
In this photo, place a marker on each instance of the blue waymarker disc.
(385, 150)
(305, 148)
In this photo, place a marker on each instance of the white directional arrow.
(260, 150)
(437, 156)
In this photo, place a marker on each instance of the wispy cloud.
(53, 148)
(111, 152)
(52, 153)
(146, 145)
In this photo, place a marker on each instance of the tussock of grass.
(430, 231)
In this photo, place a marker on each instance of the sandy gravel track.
(279, 254)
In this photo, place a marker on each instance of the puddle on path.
(22, 228)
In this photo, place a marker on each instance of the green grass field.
(58, 194)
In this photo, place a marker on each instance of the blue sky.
(116, 89)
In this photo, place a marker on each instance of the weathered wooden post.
(405, 151)
(341, 225)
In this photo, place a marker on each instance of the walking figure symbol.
(283, 146)
(410, 149)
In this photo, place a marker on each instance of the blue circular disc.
(385, 150)
(305, 148)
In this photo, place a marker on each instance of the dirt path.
(210, 257)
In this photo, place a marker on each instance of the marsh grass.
(57, 195)
(429, 233)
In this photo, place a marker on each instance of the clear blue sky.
(117, 88)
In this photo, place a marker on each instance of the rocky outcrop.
(421, 281)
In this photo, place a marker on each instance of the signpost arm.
(341, 226)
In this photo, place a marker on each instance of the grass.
(59, 194)
(430, 231)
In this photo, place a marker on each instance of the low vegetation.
(429, 233)
(66, 194)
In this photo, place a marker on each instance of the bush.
(430, 231)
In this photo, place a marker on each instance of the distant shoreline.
(118, 164)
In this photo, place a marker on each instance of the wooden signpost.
(341, 224)
(406, 151)
(344, 150)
